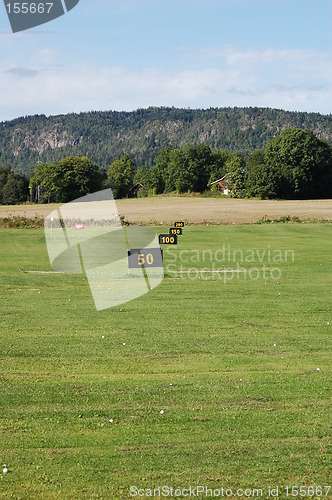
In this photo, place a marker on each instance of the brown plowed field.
(167, 209)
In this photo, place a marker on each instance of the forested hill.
(106, 136)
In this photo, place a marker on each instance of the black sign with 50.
(145, 257)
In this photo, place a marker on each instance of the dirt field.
(167, 209)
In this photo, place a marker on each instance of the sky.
(128, 54)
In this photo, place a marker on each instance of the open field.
(198, 210)
(231, 358)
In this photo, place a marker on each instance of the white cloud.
(46, 57)
(289, 79)
(21, 72)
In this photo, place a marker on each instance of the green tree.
(255, 158)
(235, 171)
(175, 168)
(199, 162)
(262, 180)
(76, 176)
(187, 169)
(16, 189)
(121, 176)
(67, 179)
(4, 173)
(43, 182)
(143, 176)
(159, 170)
(218, 167)
(304, 163)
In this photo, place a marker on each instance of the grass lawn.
(231, 358)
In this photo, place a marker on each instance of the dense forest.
(295, 164)
(105, 137)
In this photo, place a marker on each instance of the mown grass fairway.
(232, 362)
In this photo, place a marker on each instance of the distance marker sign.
(168, 239)
(175, 230)
(145, 257)
(178, 224)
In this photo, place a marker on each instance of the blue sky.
(129, 54)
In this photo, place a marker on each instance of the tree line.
(294, 165)
(106, 136)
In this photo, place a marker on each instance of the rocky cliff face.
(105, 136)
(42, 140)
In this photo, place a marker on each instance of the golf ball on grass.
(5, 470)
